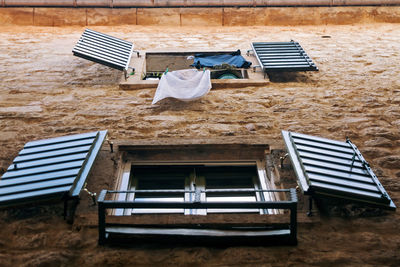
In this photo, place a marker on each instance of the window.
(196, 191)
(212, 181)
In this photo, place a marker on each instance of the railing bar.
(202, 191)
(198, 205)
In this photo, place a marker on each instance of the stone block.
(384, 14)
(239, 16)
(135, 3)
(59, 17)
(16, 16)
(296, 3)
(203, 2)
(201, 16)
(287, 16)
(169, 3)
(111, 17)
(342, 15)
(159, 16)
(32, 3)
(94, 3)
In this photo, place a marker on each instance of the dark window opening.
(179, 184)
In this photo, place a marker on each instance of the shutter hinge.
(111, 144)
(91, 195)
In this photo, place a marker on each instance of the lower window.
(207, 181)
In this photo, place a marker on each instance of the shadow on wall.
(287, 77)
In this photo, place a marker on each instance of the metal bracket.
(309, 213)
(92, 195)
(283, 158)
(125, 74)
(111, 144)
(352, 160)
(367, 168)
(137, 53)
(256, 66)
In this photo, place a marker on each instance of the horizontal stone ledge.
(192, 17)
(191, 3)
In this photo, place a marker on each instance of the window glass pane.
(172, 177)
(232, 199)
(159, 178)
(230, 177)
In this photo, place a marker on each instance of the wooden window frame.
(125, 181)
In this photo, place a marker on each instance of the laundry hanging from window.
(185, 85)
(211, 61)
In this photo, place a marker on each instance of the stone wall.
(47, 92)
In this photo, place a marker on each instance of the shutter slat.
(344, 168)
(39, 177)
(345, 183)
(15, 199)
(347, 162)
(49, 161)
(52, 154)
(62, 139)
(40, 149)
(43, 169)
(36, 186)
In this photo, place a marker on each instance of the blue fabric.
(234, 59)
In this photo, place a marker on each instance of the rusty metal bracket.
(111, 144)
(282, 159)
(91, 195)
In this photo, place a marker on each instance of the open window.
(234, 181)
(197, 191)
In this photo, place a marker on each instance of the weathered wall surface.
(229, 16)
(47, 92)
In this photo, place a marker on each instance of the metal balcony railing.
(288, 231)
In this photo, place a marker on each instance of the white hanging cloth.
(185, 85)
